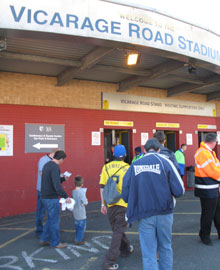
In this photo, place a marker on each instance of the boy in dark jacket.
(160, 136)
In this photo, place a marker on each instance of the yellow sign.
(168, 125)
(202, 126)
(214, 112)
(105, 104)
(118, 123)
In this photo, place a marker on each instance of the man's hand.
(68, 200)
(104, 210)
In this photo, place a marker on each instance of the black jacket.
(170, 154)
(51, 187)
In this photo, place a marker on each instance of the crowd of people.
(147, 188)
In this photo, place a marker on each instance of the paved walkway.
(20, 249)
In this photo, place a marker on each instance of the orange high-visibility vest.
(207, 173)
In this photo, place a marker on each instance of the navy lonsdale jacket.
(149, 186)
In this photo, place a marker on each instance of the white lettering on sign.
(154, 168)
(131, 25)
(124, 102)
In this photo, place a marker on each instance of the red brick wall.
(19, 172)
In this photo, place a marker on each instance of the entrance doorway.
(201, 138)
(113, 137)
(172, 139)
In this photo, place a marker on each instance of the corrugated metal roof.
(49, 48)
(27, 67)
(102, 76)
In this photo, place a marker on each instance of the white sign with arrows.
(42, 138)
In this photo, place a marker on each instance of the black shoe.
(112, 267)
(128, 253)
(206, 241)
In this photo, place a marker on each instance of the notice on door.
(189, 139)
(6, 140)
(43, 138)
(144, 137)
(96, 138)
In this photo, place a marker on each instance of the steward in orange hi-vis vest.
(207, 180)
(207, 172)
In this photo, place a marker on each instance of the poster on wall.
(96, 138)
(144, 138)
(43, 138)
(6, 140)
(189, 140)
(218, 137)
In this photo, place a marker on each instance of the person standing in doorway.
(180, 158)
(160, 136)
(40, 211)
(207, 180)
(138, 154)
(51, 190)
(120, 244)
(149, 187)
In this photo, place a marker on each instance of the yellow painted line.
(131, 233)
(16, 238)
(72, 231)
(88, 231)
(89, 262)
(29, 220)
(15, 229)
(17, 222)
(91, 231)
(188, 234)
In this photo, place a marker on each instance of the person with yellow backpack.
(120, 245)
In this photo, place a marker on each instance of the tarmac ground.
(20, 249)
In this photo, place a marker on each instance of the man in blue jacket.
(149, 188)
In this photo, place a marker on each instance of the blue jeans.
(80, 226)
(40, 213)
(155, 234)
(51, 230)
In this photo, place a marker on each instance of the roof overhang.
(89, 40)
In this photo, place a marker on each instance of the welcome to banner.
(111, 21)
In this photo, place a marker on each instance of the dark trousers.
(210, 211)
(119, 242)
